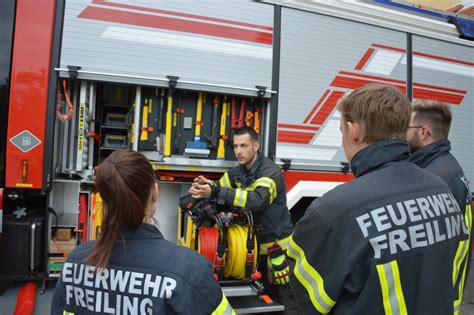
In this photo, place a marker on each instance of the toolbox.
(115, 141)
(116, 120)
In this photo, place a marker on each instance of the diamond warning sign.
(25, 141)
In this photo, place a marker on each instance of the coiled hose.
(234, 266)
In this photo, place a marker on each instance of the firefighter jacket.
(146, 275)
(436, 158)
(261, 190)
(384, 243)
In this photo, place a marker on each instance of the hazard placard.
(25, 141)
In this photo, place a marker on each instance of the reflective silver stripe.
(228, 310)
(285, 243)
(391, 288)
(312, 285)
(240, 198)
(456, 309)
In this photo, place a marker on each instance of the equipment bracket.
(345, 167)
(286, 164)
(262, 90)
(73, 71)
(172, 81)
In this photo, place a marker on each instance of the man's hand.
(278, 265)
(201, 180)
(198, 191)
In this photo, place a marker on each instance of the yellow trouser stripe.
(468, 217)
(284, 243)
(268, 183)
(458, 259)
(224, 307)
(225, 181)
(463, 246)
(310, 279)
(462, 250)
(392, 293)
(240, 198)
(457, 306)
(67, 313)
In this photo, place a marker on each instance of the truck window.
(7, 13)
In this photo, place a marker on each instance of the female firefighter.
(131, 268)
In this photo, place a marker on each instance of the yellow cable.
(190, 237)
(234, 266)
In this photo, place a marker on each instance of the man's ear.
(425, 132)
(256, 146)
(155, 193)
(355, 132)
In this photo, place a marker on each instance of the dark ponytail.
(124, 181)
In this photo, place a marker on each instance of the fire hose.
(236, 259)
(235, 264)
(226, 239)
(208, 238)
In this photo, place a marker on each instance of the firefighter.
(384, 243)
(257, 184)
(430, 148)
(131, 268)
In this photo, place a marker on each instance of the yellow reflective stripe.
(458, 263)
(468, 218)
(310, 279)
(463, 249)
(265, 184)
(224, 307)
(68, 313)
(284, 243)
(240, 198)
(225, 181)
(264, 247)
(391, 287)
(385, 291)
(268, 183)
(457, 306)
(458, 259)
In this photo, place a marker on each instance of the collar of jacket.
(254, 167)
(377, 155)
(424, 156)
(145, 230)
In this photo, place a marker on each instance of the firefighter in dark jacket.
(428, 138)
(384, 243)
(257, 185)
(131, 269)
